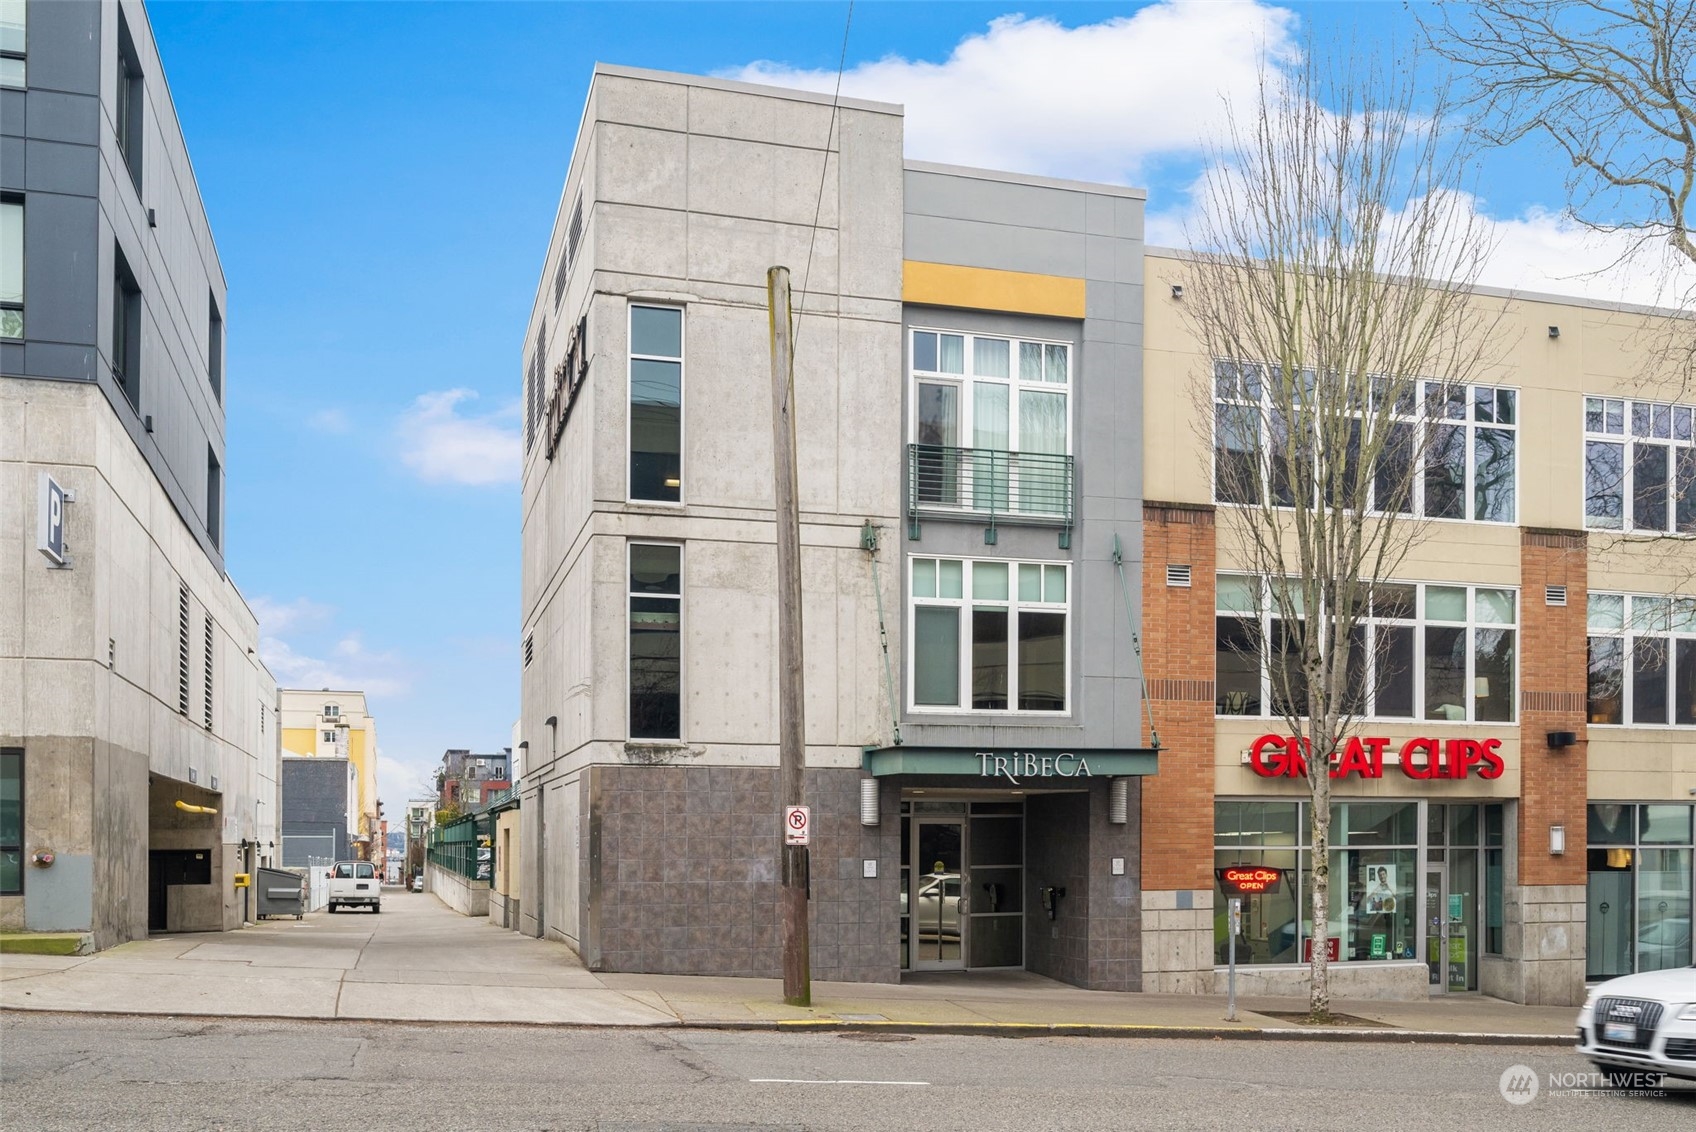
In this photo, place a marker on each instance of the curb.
(913, 1029)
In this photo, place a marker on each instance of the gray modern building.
(320, 807)
(968, 386)
(138, 733)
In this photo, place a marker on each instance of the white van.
(354, 884)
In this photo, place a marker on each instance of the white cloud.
(277, 617)
(352, 667)
(1094, 102)
(442, 446)
(1548, 252)
(399, 779)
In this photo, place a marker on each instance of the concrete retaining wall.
(1385, 982)
(467, 897)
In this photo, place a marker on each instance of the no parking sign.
(797, 825)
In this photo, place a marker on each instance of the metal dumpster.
(279, 893)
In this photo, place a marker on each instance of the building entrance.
(962, 884)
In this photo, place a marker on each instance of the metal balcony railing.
(1027, 488)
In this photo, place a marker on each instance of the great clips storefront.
(1416, 863)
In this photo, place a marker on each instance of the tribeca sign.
(1285, 756)
(1029, 764)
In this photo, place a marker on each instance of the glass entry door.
(1436, 929)
(939, 906)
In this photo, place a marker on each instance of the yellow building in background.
(334, 724)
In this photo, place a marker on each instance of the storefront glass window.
(1639, 892)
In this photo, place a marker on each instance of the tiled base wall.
(1543, 947)
(1177, 941)
(683, 873)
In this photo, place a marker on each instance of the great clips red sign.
(1249, 880)
(1284, 756)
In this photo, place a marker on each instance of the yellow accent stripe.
(983, 288)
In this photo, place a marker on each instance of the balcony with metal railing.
(989, 485)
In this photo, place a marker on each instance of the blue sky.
(381, 180)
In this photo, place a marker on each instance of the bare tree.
(1329, 284)
(1612, 85)
(1609, 82)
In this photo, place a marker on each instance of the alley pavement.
(418, 961)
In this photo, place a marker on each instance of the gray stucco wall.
(1007, 222)
(59, 150)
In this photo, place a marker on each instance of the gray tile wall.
(683, 875)
(1095, 940)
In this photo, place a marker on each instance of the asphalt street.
(92, 1072)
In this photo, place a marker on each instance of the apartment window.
(126, 329)
(1642, 660)
(14, 32)
(332, 711)
(989, 635)
(1419, 651)
(130, 100)
(977, 399)
(214, 347)
(329, 736)
(1466, 436)
(11, 267)
(656, 404)
(656, 656)
(214, 496)
(11, 821)
(1639, 466)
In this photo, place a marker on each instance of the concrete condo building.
(138, 738)
(326, 724)
(1004, 475)
(968, 391)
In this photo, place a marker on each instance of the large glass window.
(990, 423)
(1639, 888)
(1468, 436)
(14, 33)
(127, 113)
(1419, 651)
(1639, 466)
(1376, 887)
(11, 268)
(126, 328)
(11, 821)
(989, 635)
(656, 404)
(656, 657)
(1642, 659)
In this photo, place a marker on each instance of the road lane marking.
(798, 1081)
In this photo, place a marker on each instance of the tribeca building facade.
(139, 758)
(1529, 706)
(967, 371)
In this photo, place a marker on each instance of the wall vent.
(529, 649)
(182, 650)
(1178, 576)
(1554, 595)
(206, 703)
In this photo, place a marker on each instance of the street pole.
(1233, 924)
(791, 728)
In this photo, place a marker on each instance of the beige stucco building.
(326, 723)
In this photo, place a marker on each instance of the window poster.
(1379, 890)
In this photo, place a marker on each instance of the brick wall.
(1553, 666)
(683, 874)
(1177, 642)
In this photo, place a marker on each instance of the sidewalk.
(420, 962)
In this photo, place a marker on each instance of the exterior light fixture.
(1177, 290)
(1119, 800)
(870, 814)
(1554, 332)
(1557, 840)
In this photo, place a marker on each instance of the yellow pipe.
(190, 809)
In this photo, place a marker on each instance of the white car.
(418, 883)
(1643, 1023)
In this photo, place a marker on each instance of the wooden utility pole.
(791, 725)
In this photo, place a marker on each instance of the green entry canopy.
(1013, 766)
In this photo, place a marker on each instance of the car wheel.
(377, 908)
(334, 908)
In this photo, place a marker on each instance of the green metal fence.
(462, 847)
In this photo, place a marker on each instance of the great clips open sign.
(1285, 756)
(1249, 880)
